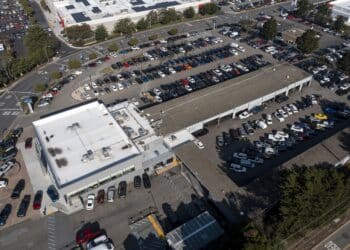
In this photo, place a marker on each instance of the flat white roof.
(82, 141)
(341, 3)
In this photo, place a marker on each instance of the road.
(338, 240)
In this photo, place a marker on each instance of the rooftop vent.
(74, 126)
(106, 151)
(89, 156)
(54, 151)
(62, 162)
(127, 146)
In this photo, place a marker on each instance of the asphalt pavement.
(338, 240)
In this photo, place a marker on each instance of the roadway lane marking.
(330, 245)
(51, 232)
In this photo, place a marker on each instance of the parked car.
(111, 193)
(146, 180)
(86, 234)
(18, 189)
(137, 182)
(101, 196)
(37, 200)
(6, 167)
(5, 213)
(122, 189)
(3, 183)
(90, 202)
(23, 206)
(237, 168)
(220, 141)
(99, 241)
(53, 193)
(28, 143)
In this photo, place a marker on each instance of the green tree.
(208, 9)
(113, 47)
(56, 75)
(189, 12)
(308, 42)
(37, 38)
(304, 8)
(167, 16)
(307, 193)
(269, 30)
(247, 25)
(39, 88)
(152, 17)
(74, 64)
(124, 27)
(344, 63)
(79, 32)
(44, 5)
(92, 56)
(173, 32)
(133, 41)
(153, 37)
(142, 24)
(101, 33)
(339, 24)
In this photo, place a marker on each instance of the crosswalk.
(51, 233)
(10, 112)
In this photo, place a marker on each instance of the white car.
(90, 202)
(6, 167)
(87, 87)
(135, 48)
(120, 77)
(157, 91)
(241, 48)
(172, 70)
(279, 117)
(198, 143)
(161, 74)
(94, 85)
(244, 115)
(3, 183)
(95, 92)
(268, 119)
(296, 128)
(237, 168)
(293, 108)
(120, 86)
(188, 88)
(114, 87)
(287, 110)
(282, 113)
(98, 241)
(261, 124)
(313, 99)
(158, 99)
(240, 156)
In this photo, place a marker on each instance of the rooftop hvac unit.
(89, 156)
(74, 126)
(62, 162)
(106, 151)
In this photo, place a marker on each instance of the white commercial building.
(341, 8)
(107, 12)
(91, 147)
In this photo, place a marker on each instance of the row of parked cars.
(204, 79)
(112, 191)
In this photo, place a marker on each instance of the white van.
(103, 246)
(99, 243)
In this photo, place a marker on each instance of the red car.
(38, 198)
(86, 234)
(28, 142)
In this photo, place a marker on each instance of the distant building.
(341, 8)
(90, 147)
(107, 12)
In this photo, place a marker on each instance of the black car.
(146, 181)
(23, 207)
(137, 181)
(122, 189)
(52, 193)
(17, 132)
(5, 212)
(18, 189)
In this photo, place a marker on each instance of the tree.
(92, 56)
(246, 24)
(37, 38)
(124, 27)
(344, 63)
(269, 30)
(56, 75)
(101, 33)
(113, 47)
(142, 24)
(304, 8)
(152, 17)
(173, 31)
(39, 88)
(79, 32)
(133, 41)
(208, 9)
(339, 24)
(44, 5)
(74, 64)
(167, 16)
(308, 42)
(307, 193)
(153, 37)
(189, 12)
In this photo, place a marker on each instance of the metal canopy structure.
(195, 234)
